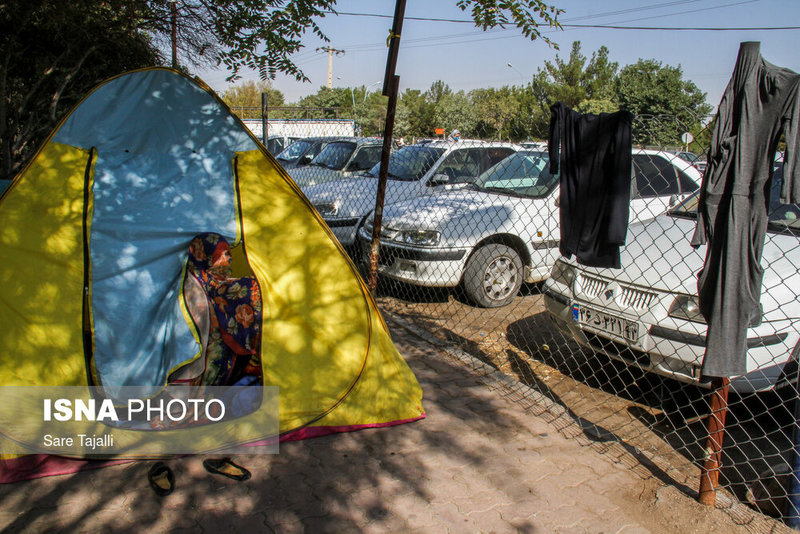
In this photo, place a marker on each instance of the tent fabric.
(92, 292)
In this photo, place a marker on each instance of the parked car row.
(484, 215)
(474, 213)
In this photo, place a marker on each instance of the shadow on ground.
(335, 483)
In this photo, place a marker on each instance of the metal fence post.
(715, 423)
(390, 89)
(374, 252)
(792, 511)
(264, 118)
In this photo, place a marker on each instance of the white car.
(503, 229)
(413, 171)
(340, 158)
(646, 314)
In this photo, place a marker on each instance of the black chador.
(593, 154)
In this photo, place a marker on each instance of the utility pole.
(330, 50)
(391, 82)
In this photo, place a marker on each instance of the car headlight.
(427, 238)
(686, 307)
(563, 273)
(327, 209)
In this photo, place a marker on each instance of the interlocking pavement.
(482, 461)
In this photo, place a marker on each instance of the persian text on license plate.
(605, 322)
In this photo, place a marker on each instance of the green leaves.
(659, 94)
(527, 15)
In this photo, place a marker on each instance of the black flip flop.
(215, 467)
(158, 469)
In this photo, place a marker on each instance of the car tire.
(493, 276)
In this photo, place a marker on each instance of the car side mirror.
(439, 179)
(305, 160)
(673, 201)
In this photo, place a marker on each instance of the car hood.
(443, 210)
(658, 254)
(355, 196)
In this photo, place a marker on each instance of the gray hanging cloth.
(593, 154)
(760, 103)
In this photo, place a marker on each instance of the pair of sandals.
(162, 480)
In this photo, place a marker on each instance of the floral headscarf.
(235, 304)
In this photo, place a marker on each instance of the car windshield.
(691, 157)
(334, 155)
(523, 173)
(294, 151)
(783, 218)
(410, 163)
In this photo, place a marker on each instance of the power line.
(612, 26)
(678, 29)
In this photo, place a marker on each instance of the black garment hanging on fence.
(760, 102)
(593, 154)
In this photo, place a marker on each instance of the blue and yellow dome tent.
(95, 231)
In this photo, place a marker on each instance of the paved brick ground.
(481, 462)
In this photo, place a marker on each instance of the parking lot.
(661, 419)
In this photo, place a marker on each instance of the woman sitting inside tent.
(231, 313)
(232, 353)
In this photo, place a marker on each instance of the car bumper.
(430, 267)
(344, 229)
(674, 353)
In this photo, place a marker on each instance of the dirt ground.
(660, 420)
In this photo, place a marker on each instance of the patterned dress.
(232, 354)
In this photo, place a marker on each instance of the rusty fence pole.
(374, 250)
(390, 88)
(715, 424)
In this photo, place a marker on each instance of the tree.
(526, 15)
(51, 54)
(497, 109)
(54, 52)
(414, 117)
(574, 81)
(454, 111)
(245, 97)
(664, 103)
(263, 34)
(585, 87)
(437, 91)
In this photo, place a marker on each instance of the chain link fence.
(469, 255)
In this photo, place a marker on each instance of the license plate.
(605, 322)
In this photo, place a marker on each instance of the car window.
(654, 176)
(334, 155)
(275, 145)
(523, 174)
(365, 158)
(495, 155)
(294, 151)
(687, 184)
(462, 165)
(782, 217)
(410, 163)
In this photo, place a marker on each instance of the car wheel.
(493, 276)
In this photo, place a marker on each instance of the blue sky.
(466, 58)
